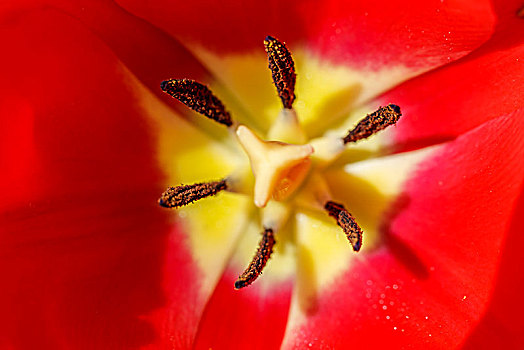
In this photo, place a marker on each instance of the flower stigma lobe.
(276, 165)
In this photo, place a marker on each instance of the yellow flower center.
(293, 178)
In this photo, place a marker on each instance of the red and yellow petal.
(89, 259)
(351, 33)
(87, 255)
(346, 52)
(447, 102)
(254, 317)
(79, 224)
(430, 282)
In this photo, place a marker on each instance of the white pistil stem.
(236, 183)
(327, 148)
(275, 215)
(287, 128)
(315, 193)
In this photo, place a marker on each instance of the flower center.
(279, 168)
(281, 164)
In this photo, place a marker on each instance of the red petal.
(83, 241)
(349, 32)
(502, 323)
(358, 49)
(445, 103)
(151, 54)
(251, 318)
(432, 280)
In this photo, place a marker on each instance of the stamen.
(179, 196)
(347, 222)
(282, 69)
(373, 123)
(265, 248)
(199, 98)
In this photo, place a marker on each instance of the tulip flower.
(89, 142)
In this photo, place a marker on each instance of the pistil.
(279, 168)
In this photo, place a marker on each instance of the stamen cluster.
(270, 161)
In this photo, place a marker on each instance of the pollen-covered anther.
(373, 123)
(347, 222)
(279, 168)
(179, 196)
(259, 261)
(199, 98)
(282, 69)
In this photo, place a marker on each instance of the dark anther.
(373, 123)
(282, 69)
(179, 196)
(199, 98)
(265, 248)
(347, 222)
